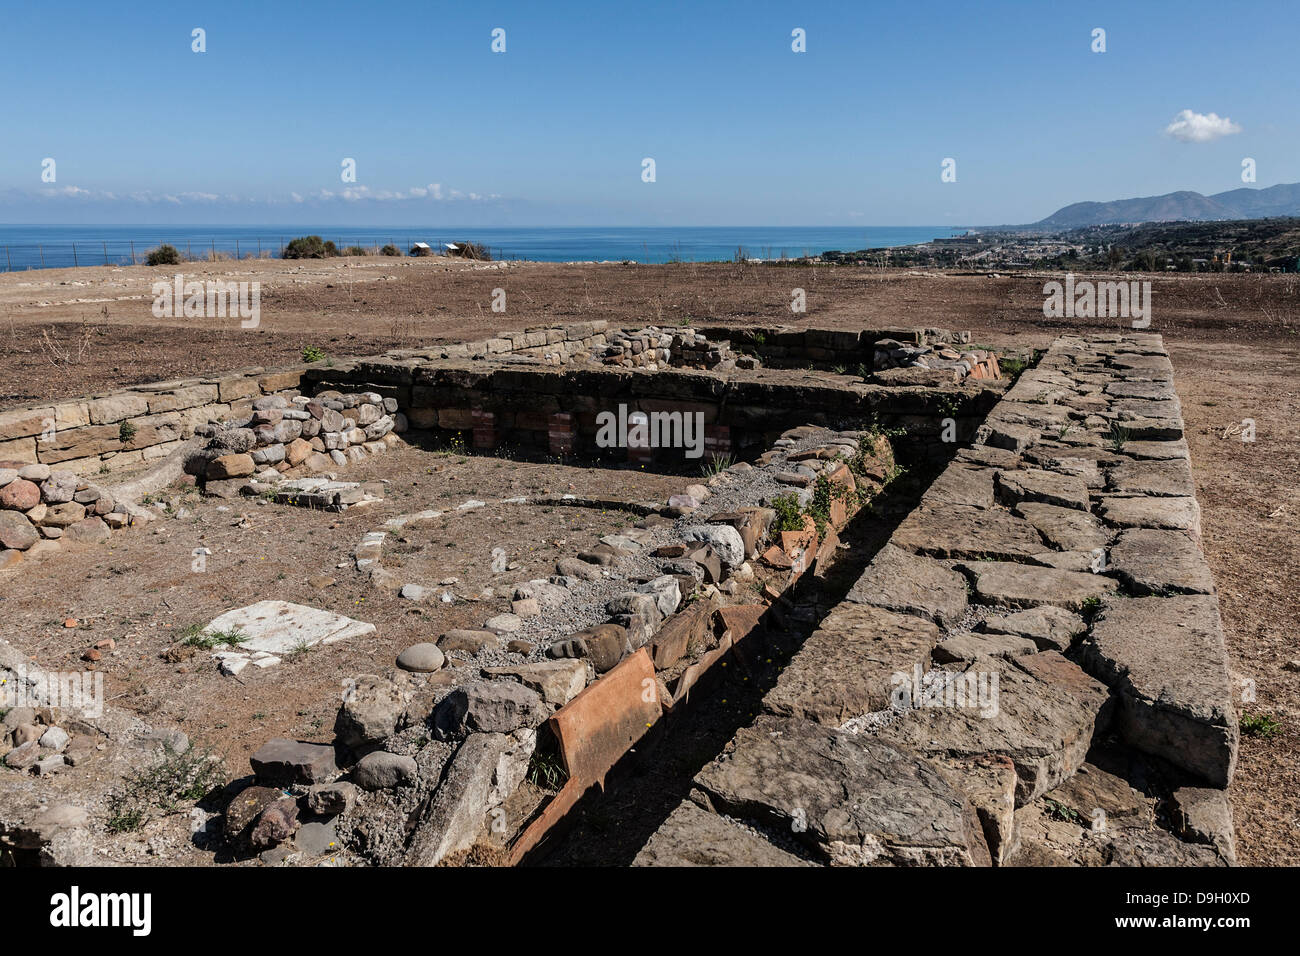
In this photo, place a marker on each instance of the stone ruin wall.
(1060, 553)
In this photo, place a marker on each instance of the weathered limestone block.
(971, 647)
(1169, 479)
(114, 408)
(962, 485)
(1150, 561)
(1166, 660)
(692, 836)
(1051, 628)
(858, 801)
(903, 582)
(558, 682)
(1048, 487)
(1170, 514)
(1042, 713)
(370, 711)
(1066, 529)
(959, 531)
(485, 771)
(499, 707)
(1204, 815)
(281, 762)
(847, 667)
(1023, 585)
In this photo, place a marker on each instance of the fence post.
(8, 260)
(132, 252)
(214, 248)
(105, 253)
(75, 263)
(42, 248)
(236, 248)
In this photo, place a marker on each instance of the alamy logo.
(1098, 300)
(214, 299)
(977, 690)
(78, 692)
(74, 909)
(651, 430)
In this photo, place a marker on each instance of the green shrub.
(196, 636)
(310, 247)
(179, 778)
(311, 353)
(126, 433)
(789, 516)
(1012, 367)
(1118, 436)
(390, 250)
(1259, 725)
(716, 465)
(826, 491)
(546, 771)
(164, 255)
(355, 251)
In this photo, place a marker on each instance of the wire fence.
(77, 253)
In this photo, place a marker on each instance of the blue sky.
(743, 131)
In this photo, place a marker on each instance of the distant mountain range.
(1244, 203)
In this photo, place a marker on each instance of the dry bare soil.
(1234, 341)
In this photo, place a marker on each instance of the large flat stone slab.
(972, 646)
(1165, 658)
(1039, 710)
(1156, 450)
(277, 627)
(1023, 585)
(1083, 467)
(899, 581)
(274, 628)
(961, 484)
(1034, 414)
(1066, 529)
(852, 800)
(1014, 438)
(846, 668)
(1151, 391)
(959, 531)
(1168, 479)
(1049, 487)
(1051, 628)
(692, 836)
(1171, 514)
(1150, 561)
(1152, 367)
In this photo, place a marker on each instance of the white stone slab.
(278, 627)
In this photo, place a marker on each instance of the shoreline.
(33, 247)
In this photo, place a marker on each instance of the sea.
(49, 247)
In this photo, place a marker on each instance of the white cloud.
(1192, 127)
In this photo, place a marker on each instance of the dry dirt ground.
(1234, 341)
(142, 589)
